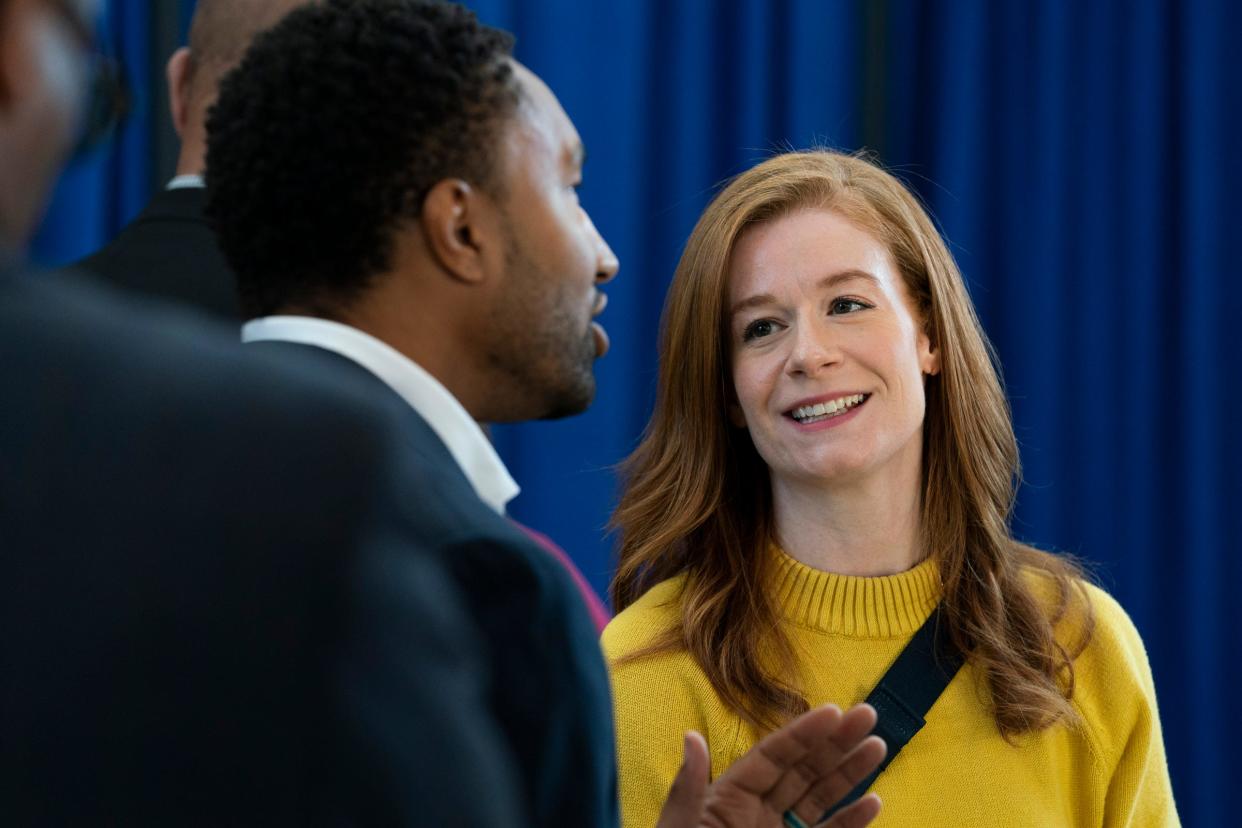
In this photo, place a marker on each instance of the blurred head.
(387, 161)
(44, 46)
(220, 32)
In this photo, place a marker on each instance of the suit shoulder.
(645, 621)
(90, 361)
(169, 252)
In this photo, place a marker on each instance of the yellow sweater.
(957, 771)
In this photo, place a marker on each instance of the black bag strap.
(907, 691)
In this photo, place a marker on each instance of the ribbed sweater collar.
(889, 606)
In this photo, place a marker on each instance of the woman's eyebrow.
(834, 279)
(829, 281)
(758, 300)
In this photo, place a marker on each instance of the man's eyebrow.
(829, 281)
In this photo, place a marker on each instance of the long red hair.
(697, 499)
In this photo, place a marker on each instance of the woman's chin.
(837, 473)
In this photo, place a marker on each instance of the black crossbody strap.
(907, 691)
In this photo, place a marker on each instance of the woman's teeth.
(822, 411)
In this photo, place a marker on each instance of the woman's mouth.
(818, 412)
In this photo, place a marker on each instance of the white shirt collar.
(185, 182)
(426, 395)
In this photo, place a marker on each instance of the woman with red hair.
(830, 464)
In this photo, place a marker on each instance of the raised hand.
(804, 768)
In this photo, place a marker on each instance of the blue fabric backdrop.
(102, 190)
(1079, 158)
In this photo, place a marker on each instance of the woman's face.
(828, 357)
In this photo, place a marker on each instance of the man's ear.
(178, 73)
(458, 223)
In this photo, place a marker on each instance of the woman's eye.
(758, 328)
(844, 306)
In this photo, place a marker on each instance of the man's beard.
(546, 365)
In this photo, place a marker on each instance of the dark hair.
(332, 130)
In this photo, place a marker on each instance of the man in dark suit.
(169, 250)
(410, 214)
(213, 606)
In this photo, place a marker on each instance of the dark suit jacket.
(549, 689)
(212, 606)
(170, 252)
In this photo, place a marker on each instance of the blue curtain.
(1080, 158)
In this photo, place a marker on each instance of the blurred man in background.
(169, 250)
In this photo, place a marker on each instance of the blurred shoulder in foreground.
(210, 608)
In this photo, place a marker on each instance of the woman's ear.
(929, 354)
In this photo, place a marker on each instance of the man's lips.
(601, 339)
(597, 330)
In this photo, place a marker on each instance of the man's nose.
(606, 262)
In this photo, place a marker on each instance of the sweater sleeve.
(657, 700)
(1119, 708)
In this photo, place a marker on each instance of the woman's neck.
(869, 528)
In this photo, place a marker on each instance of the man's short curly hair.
(333, 129)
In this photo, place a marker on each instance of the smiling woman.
(830, 464)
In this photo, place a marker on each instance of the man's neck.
(429, 339)
(192, 159)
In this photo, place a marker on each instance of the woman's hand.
(806, 767)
